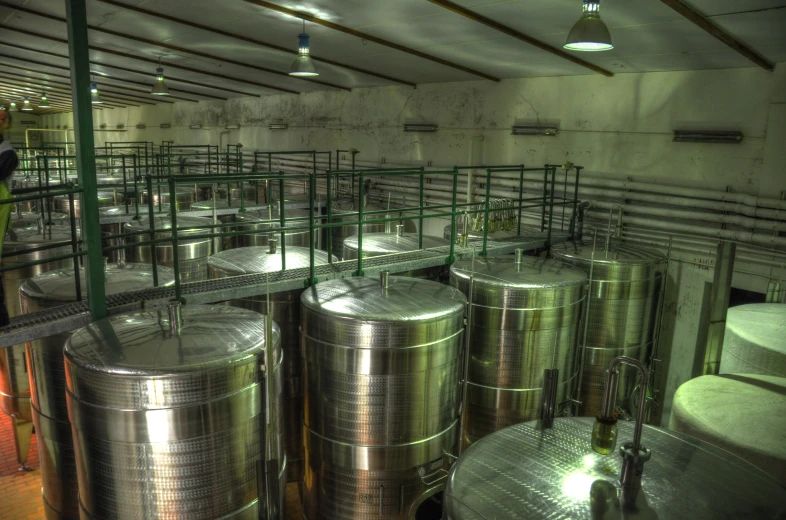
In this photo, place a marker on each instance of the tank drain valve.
(272, 245)
(175, 318)
(604, 433)
(384, 281)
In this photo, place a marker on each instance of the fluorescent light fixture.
(44, 102)
(419, 127)
(95, 98)
(550, 131)
(278, 125)
(141, 126)
(165, 125)
(195, 127)
(303, 66)
(589, 33)
(102, 126)
(708, 136)
(159, 87)
(232, 127)
(120, 126)
(26, 106)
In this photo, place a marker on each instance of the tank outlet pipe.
(400, 230)
(549, 401)
(175, 310)
(519, 257)
(272, 244)
(604, 433)
(617, 231)
(384, 281)
(269, 461)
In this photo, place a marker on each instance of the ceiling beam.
(36, 92)
(702, 21)
(103, 78)
(346, 30)
(21, 93)
(148, 60)
(252, 40)
(135, 71)
(57, 85)
(176, 48)
(488, 22)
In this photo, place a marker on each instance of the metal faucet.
(604, 433)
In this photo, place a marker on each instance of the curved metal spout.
(610, 394)
(617, 230)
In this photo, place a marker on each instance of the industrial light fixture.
(26, 106)
(165, 125)
(419, 127)
(550, 131)
(159, 87)
(303, 66)
(13, 106)
(278, 124)
(195, 127)
(141, 126)
(708, 136)
(95, 98)
(590, 32)
(44, 102)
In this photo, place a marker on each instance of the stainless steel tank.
(47, 377)
(193, 247)
(32, 181)
(105, 198)
(264, 224)
(527, 471)
(23, 219)
(227, 242)
(754, 341)
(14, 384)
(184, 197)
(285, 310)
(383, 361)
(346, 212)
(379, 244)
(524, 318)
(112, 225)
(205, 192)
(168, 414)
(474, 236)
(625, 287)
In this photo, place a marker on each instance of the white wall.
(614, 127)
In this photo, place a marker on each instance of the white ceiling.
(648, 36)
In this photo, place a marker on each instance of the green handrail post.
(360, 226)
(551, 205)
(486, 213)
(152, 222)
(72, 219)
(420, 221)
(521, 197)
(312, 195)
(281, 220)
(329, 231)
(545, 194)
(175, 253)
(575, 197)
(78, 51)
(452, 257)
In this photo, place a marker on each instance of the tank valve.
(400, 230)
(604, 433)
(519, 256)
(272, 246)
(175, 318)
(384, 281)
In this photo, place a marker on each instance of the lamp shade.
(159, 87)
(26, 106)
(13, 106)
(303, 64)
(590, 32)
(44, 102)
(95, 98)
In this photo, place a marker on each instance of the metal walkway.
(74, 315)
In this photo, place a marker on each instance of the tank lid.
(101, 195)
(165, 222)
(60, 285)
(142, 344)
(119, 211)
(531, 273)
(406, 299)
(256, 259)
(165, 191)
(619, 252)
(35, 234)
(221, 204)
(495, 235)
(760, 323)
(383, 243)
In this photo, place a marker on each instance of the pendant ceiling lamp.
(26, 106)
(159, 87)
(13, 107)
(590, 32)
(303, 66)
(95, 98)
(44, 102)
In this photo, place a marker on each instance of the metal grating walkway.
(74, 315)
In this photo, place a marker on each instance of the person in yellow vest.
(8, 164)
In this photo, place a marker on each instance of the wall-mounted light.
(708, 136)
(121, 126)
(590, 32)
(195, 127)
(419, 127)
(550, 131)
(13, 107)
(303, 66)
(278, 125)
(26, 106)
(141, 126)
(95, 98)
(159, 87)
(102, 126)
(44, 102)
(232, 127)
(165, 125)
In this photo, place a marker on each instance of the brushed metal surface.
(527, 472)
(473, 236)
(525, 318)
(105, 198)
(285, 310)
(14, 383)
(30, 218)
(168, 425)
(210, 205)
(192, 252)
(346, 212)
(382, 373)
(264, 224)
(110, 230)
(47, 376)
(184, 197)
(623, 297)
(755, 340)
(380, 244)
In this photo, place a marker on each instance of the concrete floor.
(20, 491)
